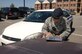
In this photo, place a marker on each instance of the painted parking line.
(77, 34)
(80, 26)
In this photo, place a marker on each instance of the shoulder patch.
(69, 18)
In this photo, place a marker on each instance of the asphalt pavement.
(76, 36)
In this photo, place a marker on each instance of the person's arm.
(45, 28)
(67, 31)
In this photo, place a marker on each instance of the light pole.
(24, 2)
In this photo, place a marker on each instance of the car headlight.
(34, 36)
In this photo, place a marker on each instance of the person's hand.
(47, 34)
(58, 36)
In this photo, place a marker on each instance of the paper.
(56, 38)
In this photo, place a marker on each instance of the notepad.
(52, 38)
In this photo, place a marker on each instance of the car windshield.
(66, 14)
(38, 16)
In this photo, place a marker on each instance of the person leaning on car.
(56, 25)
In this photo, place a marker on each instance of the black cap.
(57, 13)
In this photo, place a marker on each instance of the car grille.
(10, 38)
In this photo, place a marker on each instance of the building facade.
(38, 5)
(73, 5)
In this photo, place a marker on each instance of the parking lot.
(75, 37)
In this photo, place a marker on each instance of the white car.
(27, 28)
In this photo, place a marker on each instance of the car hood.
(22, 29)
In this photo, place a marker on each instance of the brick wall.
(70, 4)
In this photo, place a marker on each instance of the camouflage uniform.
(62, 28)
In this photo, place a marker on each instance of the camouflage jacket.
(62, 29)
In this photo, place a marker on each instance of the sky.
(17, 3)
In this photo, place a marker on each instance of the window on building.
(60, 5)
(66, 4)
(37, 7)
(72, 0)
(65, 0)
(78, 4)
(73, 9)
(79, 0)
(59, 0)
(74, 5)
(71, 4)
(45, 6)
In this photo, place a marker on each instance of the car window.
(24, 8)
(5, 10)
(38, 16)
(66, 14)
(14, 9)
